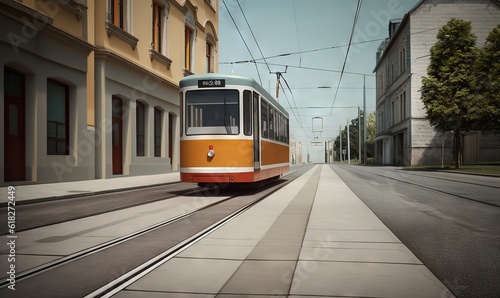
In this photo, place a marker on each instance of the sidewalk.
(312, 238)
(50, 191)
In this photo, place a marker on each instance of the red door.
(14, 127)
(117, 136)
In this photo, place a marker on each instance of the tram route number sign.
(211, 83)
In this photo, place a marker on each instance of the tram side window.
(182, 114)
(281, 128)
(247, 113)
(212, 112)
(264, 119)
(271, 123)
(286, 131)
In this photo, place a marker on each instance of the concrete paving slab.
(365, 280)
(261, 278)
(375, 255)
(278, 252)
(352, 235)
(222, 250)
(178, 274)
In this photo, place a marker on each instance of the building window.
(393, 112)
(57, 118)
(157, 26)
(209, 60)
(402, 56)
(117, 13)
(189, 38)
(157, 132)
(187, 48)
(403, 106)
(140, 128)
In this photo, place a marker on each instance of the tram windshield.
(212, 112)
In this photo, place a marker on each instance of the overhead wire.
(297, 31)
(356, 15)
(293, 98)
(253, 35)
(238, 29)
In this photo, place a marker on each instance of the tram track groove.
(125, 280)
(434, 189)
(412, 172)
(94, 249)
(115, 253)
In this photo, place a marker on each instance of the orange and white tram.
(232, 131)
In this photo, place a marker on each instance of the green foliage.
(461, 92)
(488, 81)
(354, 137)
(448, 91)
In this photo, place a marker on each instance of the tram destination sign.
(211, 83)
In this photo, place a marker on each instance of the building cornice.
(42, 23)
(403, 23)
(19, 12)
(105, 54)
(394, 37)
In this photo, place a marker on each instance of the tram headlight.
(210, 153)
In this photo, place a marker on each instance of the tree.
(448, 90)
(354, 137)
(488, 81)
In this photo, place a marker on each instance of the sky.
(309, 40)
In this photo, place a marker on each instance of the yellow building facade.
(90, 87)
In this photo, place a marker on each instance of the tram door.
(256, 132)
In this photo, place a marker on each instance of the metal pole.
(364, 121)
(348, 144)
(359, 134)
(340, 149)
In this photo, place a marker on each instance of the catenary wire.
(253, 35)
(250, 52)
(356, 15)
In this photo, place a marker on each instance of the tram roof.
(231, 79)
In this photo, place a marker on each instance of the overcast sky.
(311, 37)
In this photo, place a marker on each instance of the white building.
(404, 135)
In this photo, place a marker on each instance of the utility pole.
(364, 121)
(359, 135)
(348, 144)
(340, 149)
(278, 77)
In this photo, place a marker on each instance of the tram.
(232, 131)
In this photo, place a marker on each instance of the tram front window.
(212, 112)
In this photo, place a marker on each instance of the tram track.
(420, 185)
(107, 266)
(45, 213)
(95, 249)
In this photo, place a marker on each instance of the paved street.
(450, 221)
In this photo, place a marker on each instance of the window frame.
(157, 131)
(138, 133)
(66, 119)
(157, 26)
(247, 112)
(196, 121)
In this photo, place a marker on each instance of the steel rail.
(4, 282)
(135, 274)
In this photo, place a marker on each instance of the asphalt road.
(450, 221)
